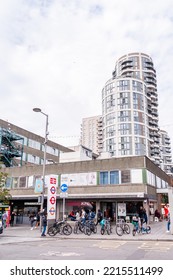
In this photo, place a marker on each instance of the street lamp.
(38, 110)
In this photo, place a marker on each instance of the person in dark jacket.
(44, 224)
(143, 215)
(99, 216)
(12, 219)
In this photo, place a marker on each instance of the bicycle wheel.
(76, 228)
(119, 230)
(81, 227)
(127, 228)
(148, 229)
(87, 230)
(67, 229)
(95, 229)
(108, 230)
(102, 231)
(134, 232)
(52, 231)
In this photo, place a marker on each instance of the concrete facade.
(140, 189)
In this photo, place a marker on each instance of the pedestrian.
(157, 215)
(77, 216)
(99, 216)
(166, 211)
(91, 215)
(72, 216)
(141, 215)
(145, 216)
(12, 219)
(44, 224)
(38, 220)
(168, 223)
(4, 219)
(32, 219)
(83, 216)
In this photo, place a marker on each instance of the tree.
(4, 193)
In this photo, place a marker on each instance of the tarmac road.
(22, 243)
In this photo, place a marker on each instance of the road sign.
(52, 211)
(63, 194)
(52, 200)
(53, 189)
(64, 187)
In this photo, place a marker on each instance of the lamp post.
(38, 110)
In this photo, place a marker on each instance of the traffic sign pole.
(63, 188)
(63, 208)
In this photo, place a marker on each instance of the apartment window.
(104, 178)
(137, 86)
(110, 145)
(140, 146)
(124, 128)
(138, 116)
(110, 131)
(123, 100)
(124, 116)
(125, 176)
(110, 101)
(110, 118)
(139, 129)
(138, 101)
(123, 85)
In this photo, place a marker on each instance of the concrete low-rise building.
(117, 186)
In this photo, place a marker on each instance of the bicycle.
(79, 226)
(122, 227)
(105, 226)
(139, 228)
(61, 227)
(90, 227)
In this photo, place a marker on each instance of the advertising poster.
(122, 209)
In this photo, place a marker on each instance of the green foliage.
(4, 193)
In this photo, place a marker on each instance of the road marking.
(109, 244)
(60, 254)
(156, 246)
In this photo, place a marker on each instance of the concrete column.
(97, 205)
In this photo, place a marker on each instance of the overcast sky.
(58, 54)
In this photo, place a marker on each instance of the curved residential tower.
(130, 109)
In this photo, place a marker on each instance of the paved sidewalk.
(24, 233)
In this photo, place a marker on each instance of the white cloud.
(57, 55)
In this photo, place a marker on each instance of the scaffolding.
(11, 148)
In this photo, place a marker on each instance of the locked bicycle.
(61, 227)
(78, 227)
(105, 226)
(139, 228)
(122, 227)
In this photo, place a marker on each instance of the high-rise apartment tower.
(130, 109)
(91, 133)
